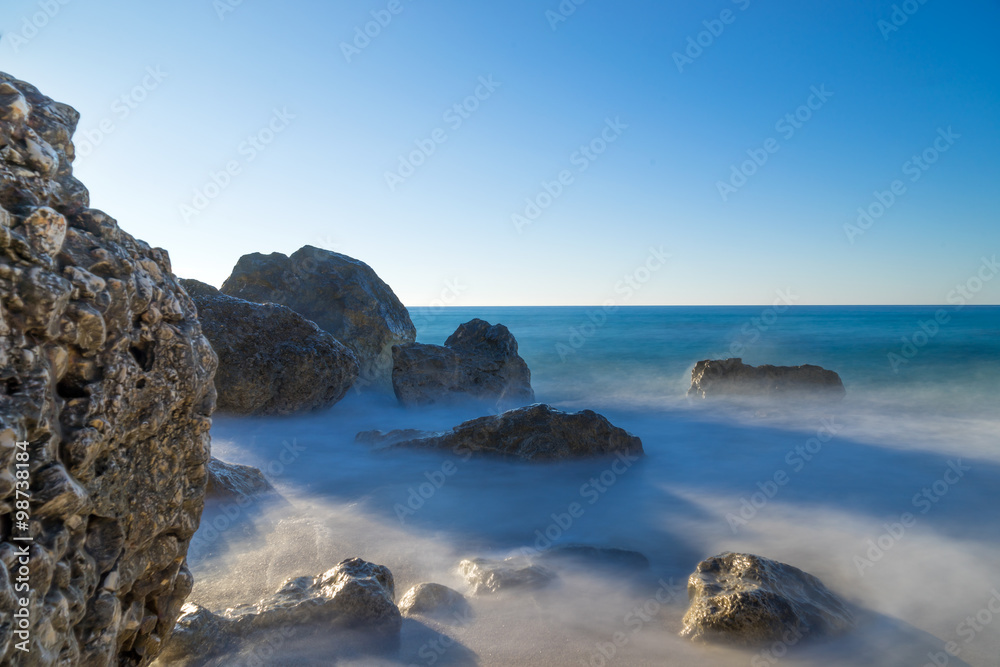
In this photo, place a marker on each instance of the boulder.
(478, 361)
(354, 595)
(486, 576)
(434, 600)
(107, 379)
(342, 295)
(533, 433)
(731, 376)
(234, 482)
(272, 361)
(747, 600)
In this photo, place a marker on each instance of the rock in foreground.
(478, 361)
(435, 600)
(353, 595)
(108, 379)
(746, 599)
(231, 481)
(731, 376)
(342, 295)
(533, 433)
(272, 361)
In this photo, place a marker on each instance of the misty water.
(852, 470)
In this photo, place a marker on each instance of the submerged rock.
(342, 295)
(533, 433)
(272, 361)
(627, 562)
(746, 599)
(486, 576)
(478, 361)
(107, 379)
(231, 481)
(355, 595)
(434, 600)
(732, 376)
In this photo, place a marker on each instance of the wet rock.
(746, 599)
(486, 576)
(234, 482)
(478, 361)
(434, 600)
(732, 376)
(342, 295)
(105, 373)
(272, 361)
(353, 595)
(533, 433)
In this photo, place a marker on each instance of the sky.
(538, 152)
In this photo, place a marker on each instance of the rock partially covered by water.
(533, 433)
(272, 361)
(107, 379)
(354, 595)
(486, 576)
(434, 600)
(342, 295)
(478, 361)
(731, 376)
(234, 482)
(746, 599)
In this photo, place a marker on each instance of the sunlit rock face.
(344, 296)
(105, 374)
(477, 362)
(745, 599)
(731, 376)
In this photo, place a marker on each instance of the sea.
(890, 496)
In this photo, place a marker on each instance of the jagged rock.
(746, 599)
(231, 481)
(732, 376)
(104, 371)
(478, 361)
(354, 594)
(272, 361)
(486, 576)
(342, 295)
(533, 433)
(434, 600)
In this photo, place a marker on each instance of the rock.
(478, 361)
(234, 482)
(486, 576)
(342, 295)
(746, 599)
(732, 376)
(104, 371)
(434, 600)
(272, 361)
(532, 433)
(354, 594)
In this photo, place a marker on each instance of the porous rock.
(731, 376)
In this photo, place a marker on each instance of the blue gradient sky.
(448, 228)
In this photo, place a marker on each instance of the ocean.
(888, 496)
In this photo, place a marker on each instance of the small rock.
(434, 600)
(231, 481)
(486, 576)
(732, 376)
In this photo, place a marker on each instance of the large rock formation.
(745, 599)
(478, 361)
(272, 361)
(340, 294)
(732, 376)
(105, 375)
(532, 433)
(354, 594)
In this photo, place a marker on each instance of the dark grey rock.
(731, 376)
(234, 482)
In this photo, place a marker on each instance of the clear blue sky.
(322, 180)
